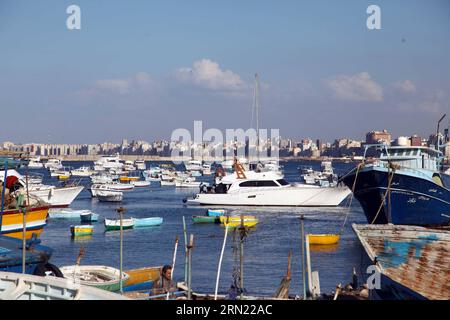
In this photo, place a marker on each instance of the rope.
(360, 165)
(391, 176)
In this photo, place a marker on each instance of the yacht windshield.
(282, 182)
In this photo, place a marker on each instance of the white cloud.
(358, 87)
(141, 81)
(406, 86)
(208, 74)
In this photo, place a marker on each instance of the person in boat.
(203, 188)
(164, 283)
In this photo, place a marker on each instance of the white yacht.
(82, 172)
(249, 188)
(140, 165)
(108, 163)
(129, 166)
(193, 165)
(53, 164)
(35, 163)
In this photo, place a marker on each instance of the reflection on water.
(265, 249)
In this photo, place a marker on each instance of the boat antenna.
(437, 131)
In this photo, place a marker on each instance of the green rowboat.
(205, 219)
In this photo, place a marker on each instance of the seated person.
(164, 283)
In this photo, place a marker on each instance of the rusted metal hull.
(414, 262)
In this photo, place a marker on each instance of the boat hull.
(412, 200)
(58, 197)
(147, 222)
(12, 222)
(296, 196)
(205, 219)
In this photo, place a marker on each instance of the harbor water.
(266, 247)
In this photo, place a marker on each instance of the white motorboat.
(16, 286)
(193, 165)
(35, 163)
(189, 183)
(103, 178)
(129, 166)
(108, 163)
(170, 182)
(140, 184)
(109, 196)
(206, 169)
(53, 164)
(140, 165)
(249, 188)
(82, 172)
(97, 187)
(56, 197)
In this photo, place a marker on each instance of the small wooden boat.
(142, 278)
(63, 176)
(147, 222)
(128, 179)
(89, 216)
(67, 214)
(16, 286)
(205, 219)
(323, 239)
(216, 213)
(227, 219)
(115, 224)
(101, 277)
(78, 231)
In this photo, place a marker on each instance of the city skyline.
(142, 70)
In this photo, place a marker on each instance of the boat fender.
(47, 269)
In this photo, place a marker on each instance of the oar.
(173, 265)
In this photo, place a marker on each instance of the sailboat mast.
(257, 113)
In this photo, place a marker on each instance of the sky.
(141, 69)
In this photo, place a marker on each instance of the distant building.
(375, 137)
(416, 141)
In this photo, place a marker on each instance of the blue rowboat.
(216, 213)
(147, 222)
(89, 217)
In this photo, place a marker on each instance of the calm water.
(266, 247)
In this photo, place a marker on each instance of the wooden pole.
(185, 251)
(3, 195)
(303, 256)
(191, 244)
(173, 265)
(121, 210)
(220, 262)
(24, 238)
(241, 256)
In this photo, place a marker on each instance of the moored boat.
(140, 184)
(323, 239)
(15, 286)
(89, 216)
(101, 277)
(216, 212)
(141, 278)
(115, 224)
(414, 262)
(83, 230)
(147, 222)
(11, 222)
(110, 196)
(205, 219)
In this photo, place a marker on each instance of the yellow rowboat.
(323, 239)
(235, 221)
(142, 278)
(228, 219)
(127, 178)
(63, 177)
(78, 231)
(35, 221)
(237, 224)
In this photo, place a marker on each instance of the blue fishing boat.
(147, 222)
(36, 258)
(412, 262)
(404, 187)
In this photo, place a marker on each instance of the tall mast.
(256, 98)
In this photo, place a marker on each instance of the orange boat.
(11, 222)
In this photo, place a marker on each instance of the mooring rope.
(391, 177)
(360, 166)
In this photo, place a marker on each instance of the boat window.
(437, 180)
(282, 182)
(267, 183)
(248, 184)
